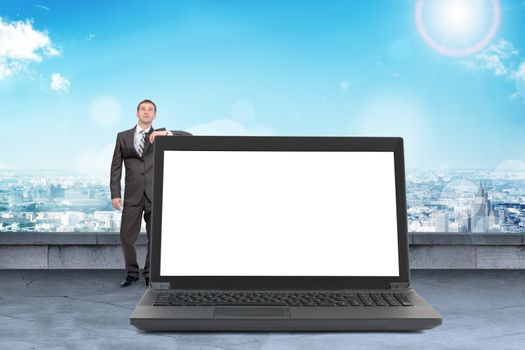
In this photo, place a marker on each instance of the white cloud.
(511, 165)
(520, 73)
(21, 44)
(43, 7)
(514, 96)
(59, 83)
(502, 58)
(49, 51)
(394, 74)
(105, 111)
(496, 58)
(228, 127)
(5, 71)
(519, 80)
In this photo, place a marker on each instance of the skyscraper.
(441, 222)
(480, 210)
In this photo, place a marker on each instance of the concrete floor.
(88, 310)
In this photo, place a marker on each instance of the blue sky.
(72, 77)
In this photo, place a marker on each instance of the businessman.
(133, 147)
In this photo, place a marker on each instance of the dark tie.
(141, 143)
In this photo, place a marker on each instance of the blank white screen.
(246, 213)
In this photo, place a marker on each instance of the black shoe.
(128, 281)
(147, 281)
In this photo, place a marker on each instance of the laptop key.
(391, 301)
(403, 299)
(405, 303)
(310, 299)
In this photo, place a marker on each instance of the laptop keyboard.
(281, 299)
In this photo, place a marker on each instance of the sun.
(457, 27)
(457, 17)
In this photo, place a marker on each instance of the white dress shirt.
(138, 136)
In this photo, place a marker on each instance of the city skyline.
(467, 201)
(263, 68)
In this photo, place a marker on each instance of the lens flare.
(457, 27)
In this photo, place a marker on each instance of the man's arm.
(164, 132)
(116, 175)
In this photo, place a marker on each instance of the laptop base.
(421, 316)
(275, 325)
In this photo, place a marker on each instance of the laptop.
(280, 234)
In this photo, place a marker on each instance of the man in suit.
(133, 147)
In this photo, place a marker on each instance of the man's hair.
(147, 101)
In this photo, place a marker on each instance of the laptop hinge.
(160, 285)
(399, 285)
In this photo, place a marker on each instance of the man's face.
(146, 113)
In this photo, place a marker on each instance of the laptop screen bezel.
(274, 143)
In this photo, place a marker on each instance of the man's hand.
(157, 133)
(116, 203)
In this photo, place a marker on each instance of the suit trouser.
(129, 232)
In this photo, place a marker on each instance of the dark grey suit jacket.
(139, 170)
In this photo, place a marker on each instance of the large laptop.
(280, 234)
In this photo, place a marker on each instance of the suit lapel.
(130, 140)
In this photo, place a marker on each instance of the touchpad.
(249, 311)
